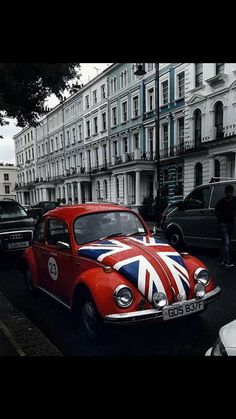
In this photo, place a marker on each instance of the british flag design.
(148, 270)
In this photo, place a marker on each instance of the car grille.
(15, 240)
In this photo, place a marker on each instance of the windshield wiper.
(136, 233)
(112, 235)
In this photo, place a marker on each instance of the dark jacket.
(225, 211)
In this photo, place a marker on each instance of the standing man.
(225, 212)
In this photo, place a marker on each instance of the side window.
(218, 193)
(197, 199)
(39, 232)
(57, 231)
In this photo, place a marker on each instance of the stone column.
(115, 190)
(137, 188)
(66, 194)
(125, 189)
(72, 194)
(79, 193)
(211, 167)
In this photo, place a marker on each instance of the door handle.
(49, 253)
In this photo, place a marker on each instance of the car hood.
(22, 223)
(228, 335)
(149, 263)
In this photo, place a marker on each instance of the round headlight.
(123, 296)
(159, 299)
(199, 290)
(202, 275)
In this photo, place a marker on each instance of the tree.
(25, 86)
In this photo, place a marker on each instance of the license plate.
(17, 245)
(183, 309)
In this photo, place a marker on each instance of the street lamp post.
(140, 72)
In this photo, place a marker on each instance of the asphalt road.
(190, 336)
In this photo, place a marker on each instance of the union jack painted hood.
(148, 263)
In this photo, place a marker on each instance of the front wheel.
(29, 281)
(175, 238)
(89, 318)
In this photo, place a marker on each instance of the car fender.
(101, 285)
(29, 260)
(174, 225)
(191, 264)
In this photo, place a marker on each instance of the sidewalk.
(19, 336)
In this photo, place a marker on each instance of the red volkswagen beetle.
(102, 262)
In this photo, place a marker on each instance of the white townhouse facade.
(8, 177)
(210, 123)
(99, 144)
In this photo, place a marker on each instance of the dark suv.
(16, 227)
(38, 210)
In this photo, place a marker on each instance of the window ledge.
(218, 79)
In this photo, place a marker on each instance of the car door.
(193, 215)
(58, 264)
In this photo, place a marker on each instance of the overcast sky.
(7, 150)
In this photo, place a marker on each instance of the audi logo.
(16, 236)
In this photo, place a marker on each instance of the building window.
(165, 137)
(181, 131)
(198, 74)
(7, 189)
(124, 111)
(150, 99)
(115, 148)
(95, 97)
(219, 119)
(122, 80)
(95, 124)
(217, 168)
(135, 107)
(87, 101)
(104, 149)
(197, 127)
(68, 138)
(181, 79)
(105, 189)
(198, 174)
(6, 176)
(125, 145)
(104, 121)
(73, 136)
(80, 132)
(88, 128)
(103, 93)
(220, 68)
(96, 157)
(164, 92)
(114, 117)
(136, 141)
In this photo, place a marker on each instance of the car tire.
(89, 318)
(175, 238)
(28, 280)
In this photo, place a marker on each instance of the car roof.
(71, 212)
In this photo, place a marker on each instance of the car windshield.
(102, 225)
(10, 210)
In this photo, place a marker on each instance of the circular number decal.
(52, 269)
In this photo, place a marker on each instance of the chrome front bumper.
(152, 314)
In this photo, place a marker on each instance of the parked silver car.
(193, 221)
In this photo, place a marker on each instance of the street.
(192, 335)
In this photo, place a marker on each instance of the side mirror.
(63, 245)
(181, 205)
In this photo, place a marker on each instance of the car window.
(10, 210)
(57, 231)
(198, 198)
(39, 232)
(218, 193)
(96, 226)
